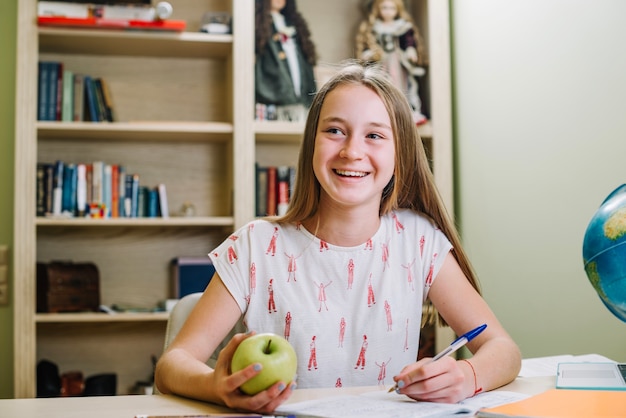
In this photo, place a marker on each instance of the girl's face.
(388, 10)
(354, 154)
(278, 5)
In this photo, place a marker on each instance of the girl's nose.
(351, 149)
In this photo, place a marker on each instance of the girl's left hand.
(443, 380)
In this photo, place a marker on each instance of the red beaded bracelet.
(476, 388)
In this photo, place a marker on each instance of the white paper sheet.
(391, 405)
(547, 366)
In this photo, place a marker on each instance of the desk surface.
(130, 405)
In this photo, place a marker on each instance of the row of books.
(96, 190)
(274, 188)
(64, 95)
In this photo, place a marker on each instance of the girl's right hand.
(226, 384)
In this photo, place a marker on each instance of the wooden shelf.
(124, 131)
(210, 221)
(42, 318)
(134, 43)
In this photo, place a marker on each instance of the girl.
(365, 208)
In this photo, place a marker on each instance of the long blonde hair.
(412, 185)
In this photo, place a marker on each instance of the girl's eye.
(374, 136)
(335, 131)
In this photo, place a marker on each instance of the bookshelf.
(185, 108)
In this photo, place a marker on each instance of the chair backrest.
(177, 318)
(179, 315)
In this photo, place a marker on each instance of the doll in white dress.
(390, 36)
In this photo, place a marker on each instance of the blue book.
(70, 180)
(43, 90)
(53, 90)
(91, 100)
(152, 208)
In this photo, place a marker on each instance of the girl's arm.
(496, 358)
(182, 369)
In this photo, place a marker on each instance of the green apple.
(273, 353)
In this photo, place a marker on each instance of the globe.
(604, 252)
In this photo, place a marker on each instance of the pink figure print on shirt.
(321, 295)
(338, 383)
(385, 246)
(232, 255)
(323, 245)
(350, 273)
(382, 372)
(397, 223)
(406, 335)
(291, 267)
(409, 269)
(252, 278)
(271, 248)
(271, 305)
(369, 245)
(361, 360)
(429, 278)
(371, 300)
(287, 325)
(388, 314)
(233, 237)
(422, 242)
(312, 354)
(342, 330)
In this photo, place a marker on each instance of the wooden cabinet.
(185, 117)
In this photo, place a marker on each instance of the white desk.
(130, 405)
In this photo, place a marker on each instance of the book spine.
(282, 176)
(70, 180)
(79, 98)
(142, 201)
(57, 192)
(91, 100)
(43, 90)
(89, 181)
(272, 186)
(97, 187)
(41, 189)
(53, 83)
(106, 190)
(59, 92)
(121, 190)
(261, 190)
(128, 192)
(108, 101)
(81, 190)
(49, 187)
(115, 191)
(153, 203)
(97, 84)
(134, 193)
(163, 205)
(67, 109)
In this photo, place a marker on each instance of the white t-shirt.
(352, 313)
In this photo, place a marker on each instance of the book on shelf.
(98, 190)
(65, 95)
(57, 188)
(273, 189)
(79, 98)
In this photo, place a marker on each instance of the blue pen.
(455, 345)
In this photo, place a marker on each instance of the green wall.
(8, 13)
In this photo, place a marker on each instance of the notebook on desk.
(592, 375)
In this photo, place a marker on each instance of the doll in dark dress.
(285, 57)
